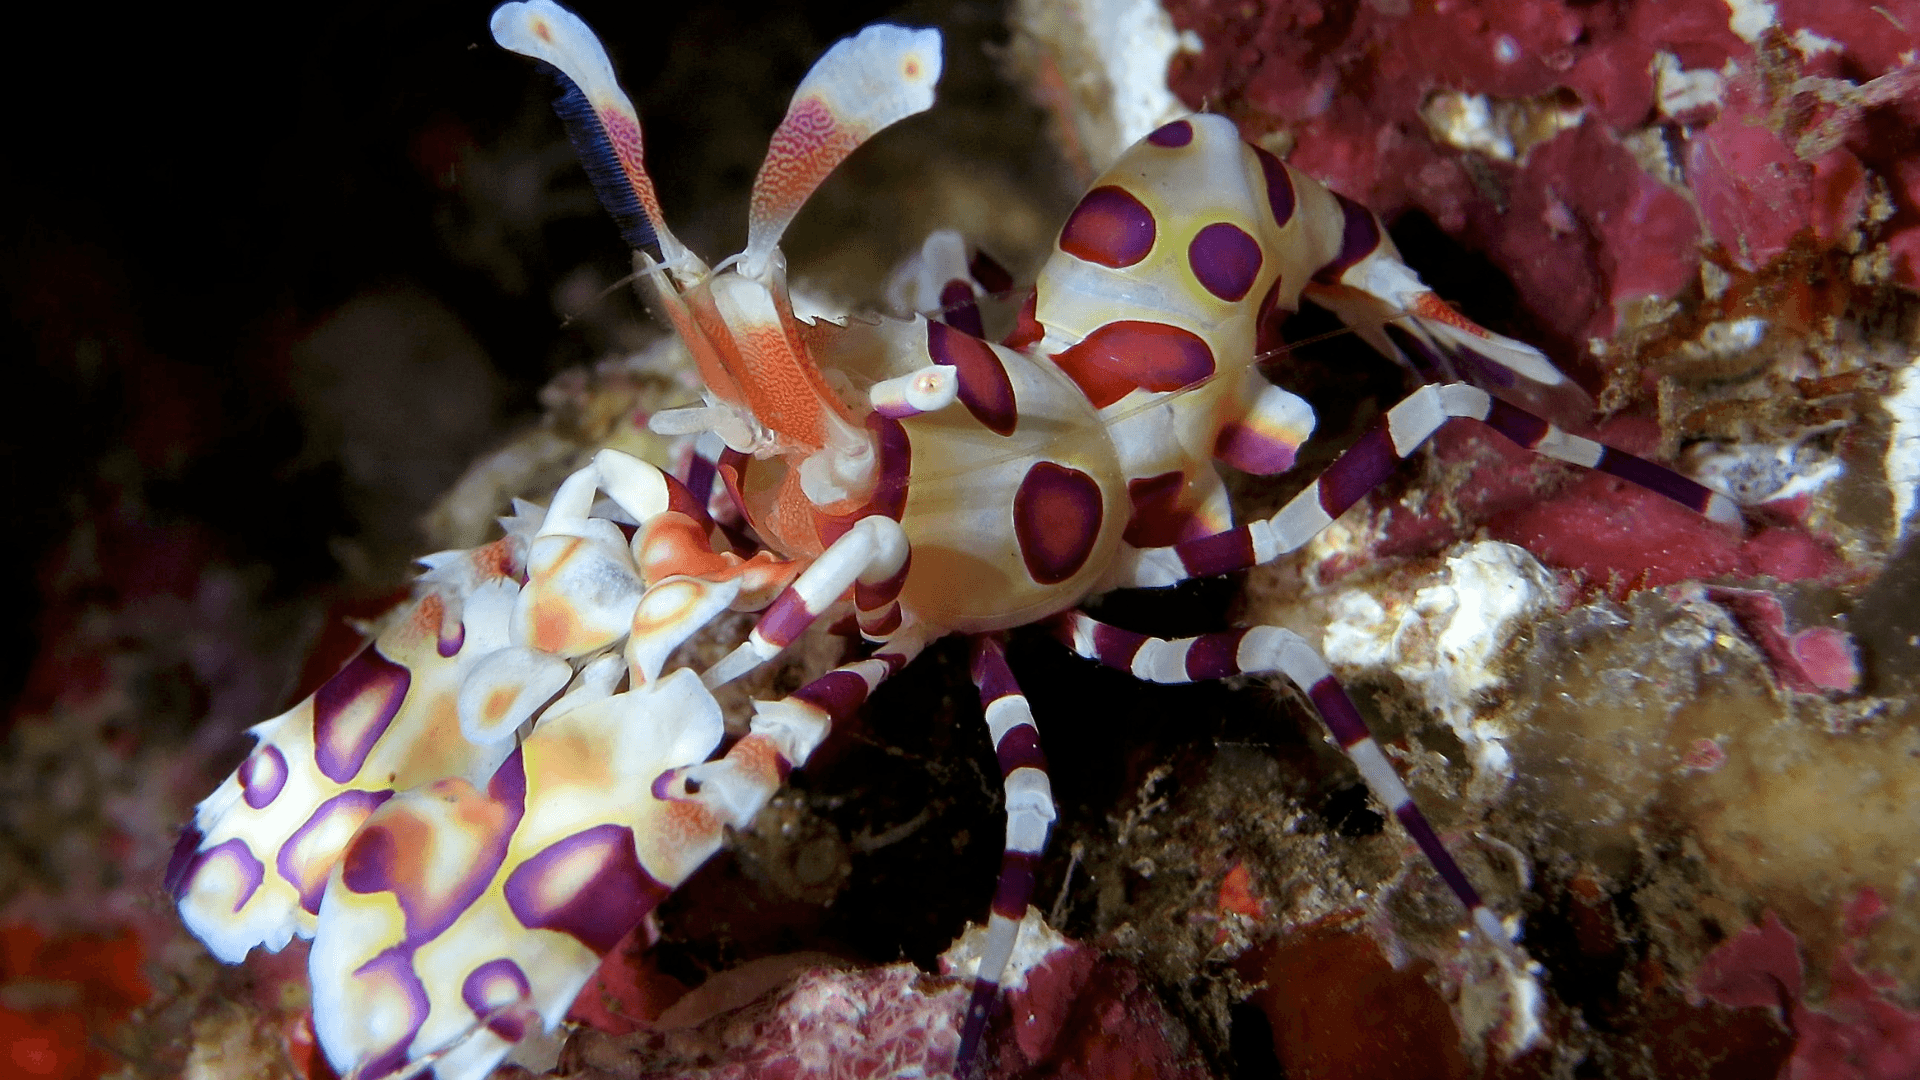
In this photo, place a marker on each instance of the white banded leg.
(1259, 650)
(1030, 814)
(1375, 457)
(872, 554)
(784, 733)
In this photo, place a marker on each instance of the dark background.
(183, 214)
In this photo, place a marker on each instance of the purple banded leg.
(1260, 650)
(872, 554)
(943, 283)
(1030, 814)
(784, 734)
(1375, 457)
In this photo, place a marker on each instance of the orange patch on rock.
(1341, 1012)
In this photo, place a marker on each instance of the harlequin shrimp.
(509, 778)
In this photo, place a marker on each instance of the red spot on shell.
(1128, 355)
(1109, 227)
(985, 389)
(1026, 327)
(1056, 519)
(1179, 133)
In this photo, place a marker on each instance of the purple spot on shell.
(352, 710)
(1251, 450)
(611, 891)
(450, 642)
(1056, 520)
(1110, 227)
(387, 982)
(247, 870)
(180, 865)
(369, 864)
(1179, 133)
(959, 310)
(262, 776)
(1225, 259)
(492, 991)
(985, 388)
(509, 783)
(308, 856)
(434, 864)
(1359, 236)
(1280, 197)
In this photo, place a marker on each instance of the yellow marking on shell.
(666, 604)
(556, 626)
(678, 837)
(440, 749)
(757, 758)
(498, 703)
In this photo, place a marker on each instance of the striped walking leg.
(1030, 814)
(1375, 457)
(784, 733)
(1259, 650)
(870, 557)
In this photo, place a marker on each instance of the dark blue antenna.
(590, 142)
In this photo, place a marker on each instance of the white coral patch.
(1903, 447)
(1036, 942)
(1113, 56)
(1445, 640)
(1679, 90)
(1750, 18)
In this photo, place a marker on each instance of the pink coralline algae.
(1071, 1014)
(1083, 1016)
(1609, 533)
(1859, 1033)
(1690, 126)
(1816, 658)
(826, 1024)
